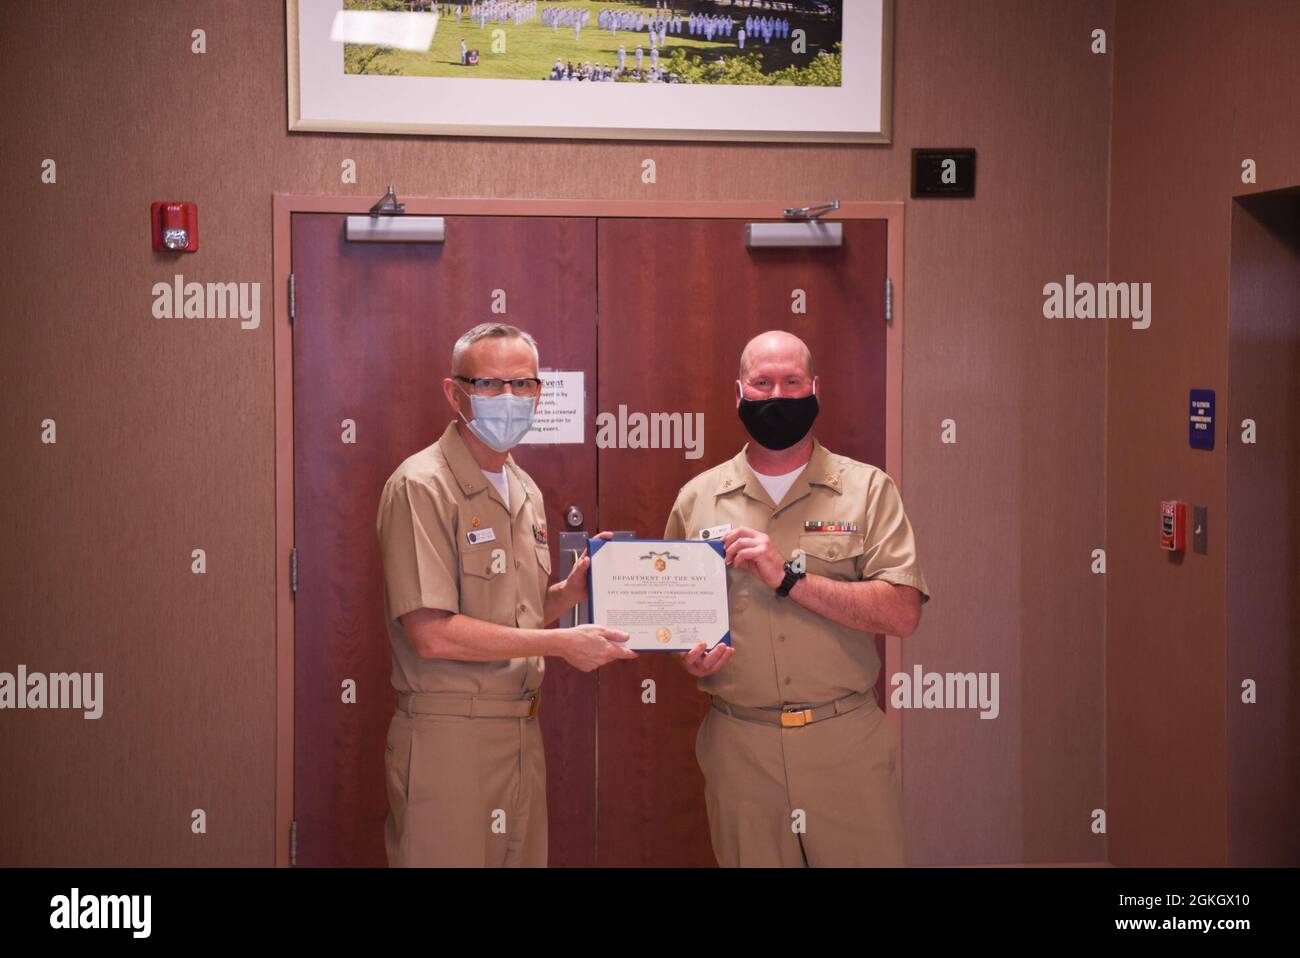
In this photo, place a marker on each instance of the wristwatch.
(791, 577)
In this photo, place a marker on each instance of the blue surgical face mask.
(500, 421)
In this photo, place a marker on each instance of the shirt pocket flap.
(544, 558)
(833, 546)
(478, 561)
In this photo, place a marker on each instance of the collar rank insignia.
(539, 534)
(826, 525)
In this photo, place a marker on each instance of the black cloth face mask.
(778, 423)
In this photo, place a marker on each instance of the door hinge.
(889, 300)
(293, 569)
(293, 842)
(293, 298)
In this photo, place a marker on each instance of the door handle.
(577, 607)
(572, 546)
(573, 517)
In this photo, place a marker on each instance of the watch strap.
(791, 577)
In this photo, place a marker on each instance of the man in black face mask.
(800, 763)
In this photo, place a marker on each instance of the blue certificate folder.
(595, 545)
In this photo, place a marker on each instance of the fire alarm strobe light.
(175, 226)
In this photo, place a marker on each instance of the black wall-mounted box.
(943, 173)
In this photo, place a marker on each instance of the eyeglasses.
(491, 386)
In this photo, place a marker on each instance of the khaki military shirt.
(786, 654)
(442, 529)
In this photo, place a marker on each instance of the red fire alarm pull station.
(175, 226)
(1173, 525)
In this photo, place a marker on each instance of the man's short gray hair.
(489, 331)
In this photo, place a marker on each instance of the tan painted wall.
(1198, 89)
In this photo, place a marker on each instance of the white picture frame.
(322, 97)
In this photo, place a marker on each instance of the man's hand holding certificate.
(668, 595)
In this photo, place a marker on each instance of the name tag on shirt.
(715, 532)
(481, 535)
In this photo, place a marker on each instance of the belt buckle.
(534, 704)
(795, 718)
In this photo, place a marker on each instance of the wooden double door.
(654, 312)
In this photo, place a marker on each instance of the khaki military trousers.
(826, 794)
(465, 792)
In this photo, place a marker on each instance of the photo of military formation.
(739, 42)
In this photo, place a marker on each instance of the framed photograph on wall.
(782, 70)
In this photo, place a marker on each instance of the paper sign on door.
(559, 417)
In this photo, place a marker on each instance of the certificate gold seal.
(664, 636)
(660, 565)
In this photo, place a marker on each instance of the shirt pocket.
(836, 555)
(544, 560)
(479, 586)
(738, 590)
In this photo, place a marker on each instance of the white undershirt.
(778, 486)
(498, 479)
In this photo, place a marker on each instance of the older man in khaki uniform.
(466, 571)
(800, 763)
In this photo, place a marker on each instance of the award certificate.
(668, 595)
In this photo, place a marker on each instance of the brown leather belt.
(794, 716)
(470, 706)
